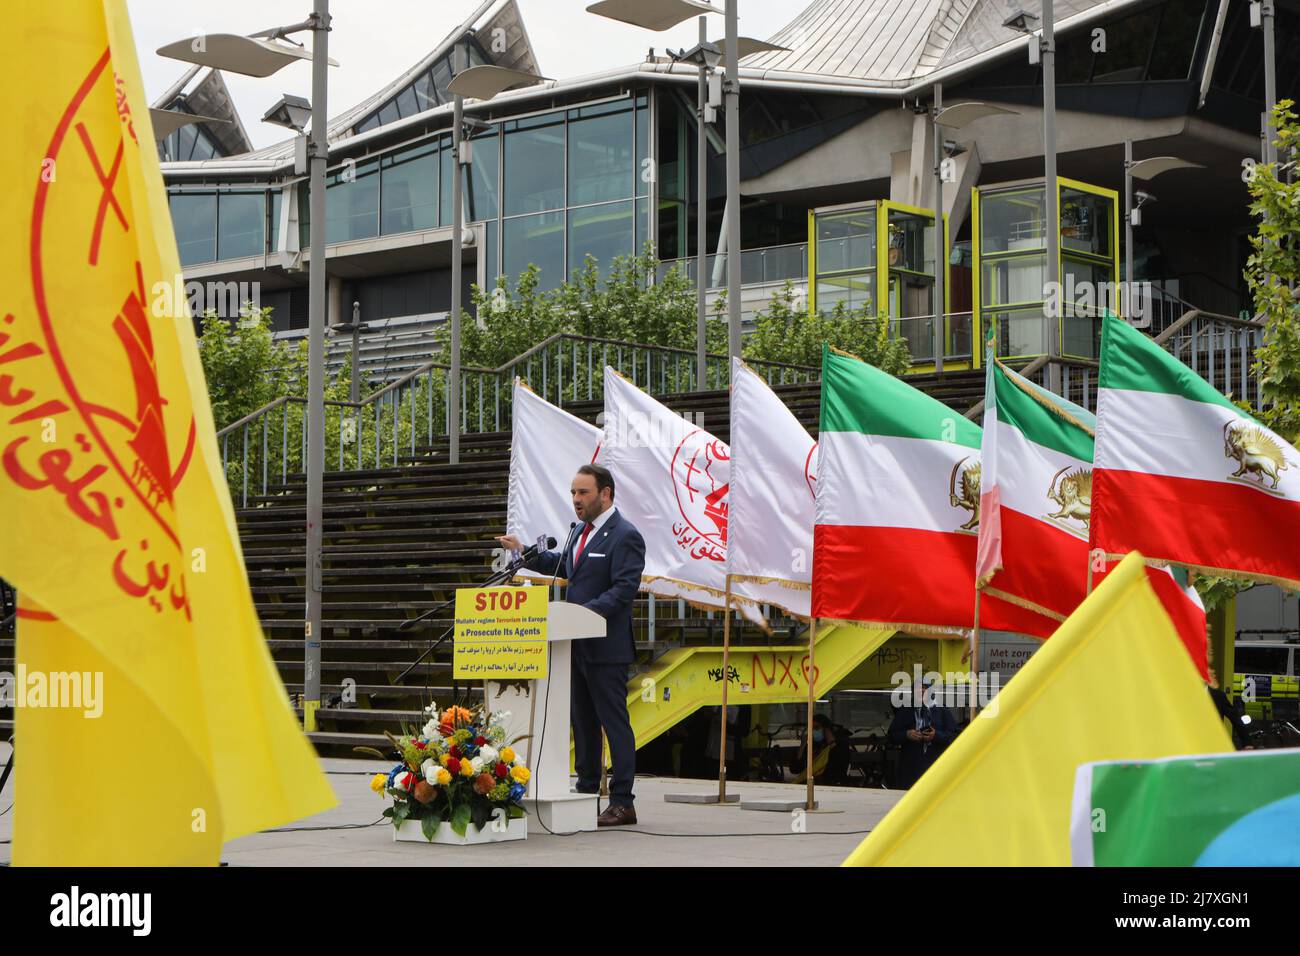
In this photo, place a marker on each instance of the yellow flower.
(507, 754)
(520, 773)
(466, 768)
(377, 783)
(444, 777)
(444, 759)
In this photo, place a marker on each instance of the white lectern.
(548, 794)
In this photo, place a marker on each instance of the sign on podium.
(543, 705)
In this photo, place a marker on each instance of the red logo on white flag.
(701, 489)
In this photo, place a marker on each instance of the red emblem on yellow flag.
(121, 539)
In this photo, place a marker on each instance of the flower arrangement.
(457, 770)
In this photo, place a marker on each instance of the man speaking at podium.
(602, 558)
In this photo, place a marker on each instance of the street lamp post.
(481, 83)
(1262, 15)
(732, 94)
(260, 56)
(954, 118)
(1141, 169)
(1045, 48)
(457, 253)
(701, 219)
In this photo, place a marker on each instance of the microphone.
(567, 541)
(543, 543)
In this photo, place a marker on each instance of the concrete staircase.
(398, 541)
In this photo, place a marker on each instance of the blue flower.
(394, 772)
(516, 792)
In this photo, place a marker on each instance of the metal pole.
(1128, 228)
(701, 217)
(354, 393)
(316, 365)
(1270, 79)
(1049, 176)
(453, 395)
(733, 184)
(940, 246)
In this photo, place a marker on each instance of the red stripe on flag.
(907, 576)
(1213, 524)
(1042, 564)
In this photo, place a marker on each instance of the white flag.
(772, 499)
(672, 479)
(547, 446)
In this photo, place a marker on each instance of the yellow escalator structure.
(688, 678)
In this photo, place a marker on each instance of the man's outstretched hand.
(510, 542)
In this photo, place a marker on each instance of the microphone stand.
(497, 577)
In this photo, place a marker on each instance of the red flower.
(446, 729)
(453, 766)
(501, 770)
(455, 751)
(480, 740)
(420, 745)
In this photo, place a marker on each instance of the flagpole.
(812, 698)
(726, 659)
(975, 651)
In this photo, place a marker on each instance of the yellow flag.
(1113, 682)
(120, 536)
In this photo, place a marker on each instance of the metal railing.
(769, 264)
(405, 417)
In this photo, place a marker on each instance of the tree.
(1273, 276)
(245, 366)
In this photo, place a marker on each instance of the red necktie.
(582, 544)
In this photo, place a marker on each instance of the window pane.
(644, 146)
(194, 216)
(535, 240)
(426, 97)
(600, 158)
(241, 219)
(1176, 40)
(444, 185)
(1017, 279)
(855, 291)
(481, 184)
(642, 224)
(602, 232)
(672, 230)
(406, 102)
(534, 173)
(277, 198)
(846, 241)
(388, 113)
(1128, 42)
(911, 242)
(492, 267)
(1020, 332)
(1012, 221)
(410, 190)
(1261, 660)
(1086, 222)
(352, 208)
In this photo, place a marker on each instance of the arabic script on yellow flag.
(1114, 682)
(120, 536)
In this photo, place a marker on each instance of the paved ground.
(668, 834)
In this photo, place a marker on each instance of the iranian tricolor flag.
(1185, 476)
(898, 508)
(1036, 509)
(772, 504)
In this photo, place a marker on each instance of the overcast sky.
(375, 40)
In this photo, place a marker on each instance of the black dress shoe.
(617, 815)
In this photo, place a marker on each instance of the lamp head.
(291, 112)
(1021, 21)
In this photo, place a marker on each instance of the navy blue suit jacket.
(605, 580)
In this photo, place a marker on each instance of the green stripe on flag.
(1036, 421)
(857, 397)
(1133, 361)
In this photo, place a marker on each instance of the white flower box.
(412, 832)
